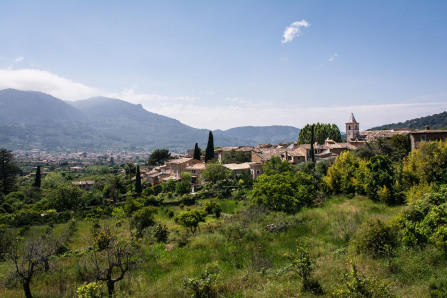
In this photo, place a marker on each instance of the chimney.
(427, 127)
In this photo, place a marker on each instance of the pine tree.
(8, 171)
(138, 188)
(196, 152)
(210, 147)
(38, 180)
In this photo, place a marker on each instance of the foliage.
(347, 174)
(203, 286)
(276, 166)
(322, 131)
(111, 263)
(191, 219)
(438, 289)
(212, 207)
(8, 171)
(168, 186)
(197, 152)
(380, 175)
(182, 187)
(396, 148)
(375, 237)
(53, 180)
(161, 233)
(131, 205)
(143, 218)
(302, 264)
(215, 172)
(424, 219)
(186, 176)
(284, 192)
(355, 286)
(427, 164)
(209, 151)
(6, 240)
(158, 157)
(38, 179)
(91, 290)
(65, 197)
(138, 188)
(236, 157)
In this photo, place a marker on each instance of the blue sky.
(221, 64)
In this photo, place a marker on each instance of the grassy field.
(245, 250)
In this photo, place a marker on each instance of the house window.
(193, 171)
(423, 138)
(258, 172)
(289, 157)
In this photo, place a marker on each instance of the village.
(287, 151)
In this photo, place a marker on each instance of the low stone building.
(85, 185)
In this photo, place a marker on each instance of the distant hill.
(436, 121)
(35, 120)
(32, 107)
(262, 134)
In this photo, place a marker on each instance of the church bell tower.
(352, 129)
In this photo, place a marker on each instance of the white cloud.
(47, 82)
(293, 30)
(335, 55)
(18, 59)
(232, 112)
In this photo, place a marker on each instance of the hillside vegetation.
(368, 225)
(436, 121)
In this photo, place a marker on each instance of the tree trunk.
(110, 287)
(27, 290)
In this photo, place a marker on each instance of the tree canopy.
(215, 172)
(158, 157)
(209, 154)
(197, 152)
(322, 131)
(8, 171)
(284, 191)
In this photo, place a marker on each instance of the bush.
(212, 207)
(355, 286)
(143, 218)
(438, 289)
(203, 286)
(161, 233)
(91, 290)
(284, 191)
(375, 238)
(191, 219)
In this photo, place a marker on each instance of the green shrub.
(161, 233)
(375, 238)
(212, 207)
(438, 289)
(91, 290)
(143, 218)
(355, 286)
(203, 286)
(191, 219)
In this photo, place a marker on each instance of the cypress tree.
(312, 153)
(8, 171)
(210, 147)
(196, 152)
(138, 188)
(37, 180)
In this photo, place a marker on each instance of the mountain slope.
(32, 106)
(254, 135)
(34, 120)
(435, 121)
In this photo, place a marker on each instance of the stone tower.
(352, 129)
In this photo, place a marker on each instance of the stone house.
(85, 185)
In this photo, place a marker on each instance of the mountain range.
(436, 121)
(35, 120)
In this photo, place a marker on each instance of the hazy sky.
(221, 64)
